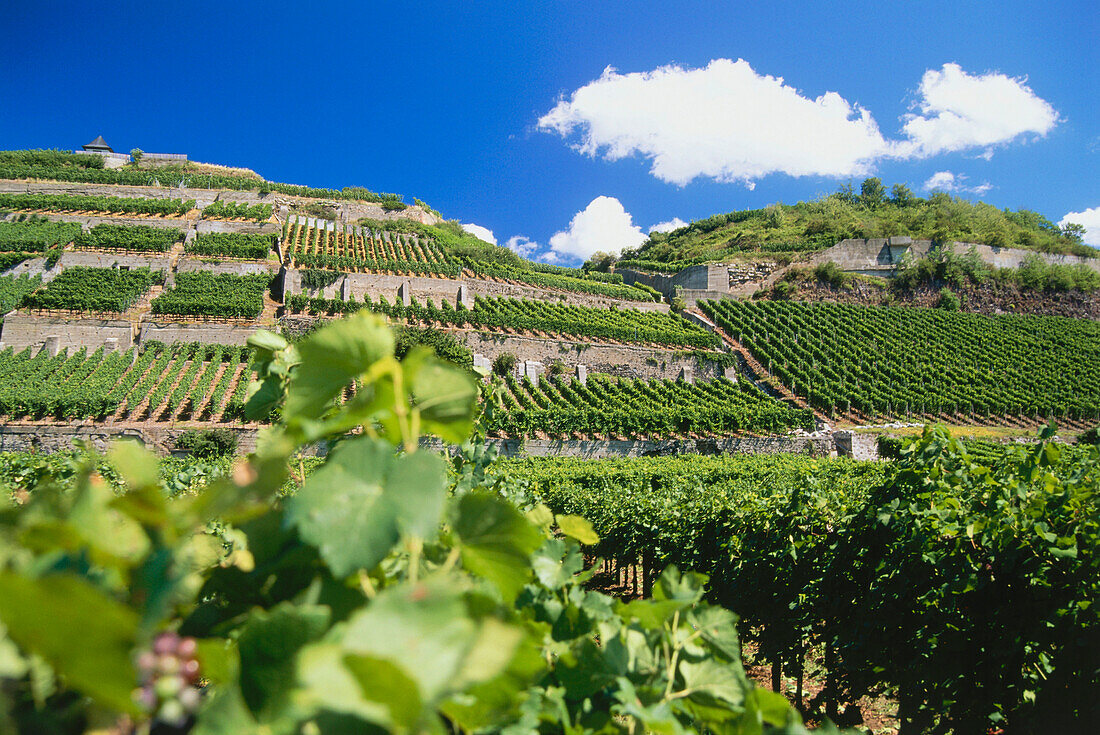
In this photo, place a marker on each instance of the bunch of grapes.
(169, 674)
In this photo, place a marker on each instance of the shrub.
(504, 364)
(207, 443)
(830, 274)
(948, 300)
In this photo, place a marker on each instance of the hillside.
(872, 213)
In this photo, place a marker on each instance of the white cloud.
(481, 233)
(724, 121)
(549, 257)
(728, 123)
(960, 111)
(1090, 219)
(521, 245)
(948, 181)
(673, 224)
(602, 225)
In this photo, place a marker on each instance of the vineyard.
(180, 382)
(523, 315)
(140, 238)
(36, 236)
(238, 210)
(609, 407)
(202, 293)
(108, 205)
(890, 361)
(231, 245)
(552, 280)
(94, 289)
(362, 249)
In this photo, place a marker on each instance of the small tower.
(98, 146)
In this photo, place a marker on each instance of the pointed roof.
(98, 145)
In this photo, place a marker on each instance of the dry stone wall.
(621, 360)
(444, 289)
(21, 330)
(222, 333)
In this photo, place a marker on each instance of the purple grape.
(190, 698)
(145, 698)
(190, 669)
(166, 643)
(187, 648)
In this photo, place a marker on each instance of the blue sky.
(443, 101)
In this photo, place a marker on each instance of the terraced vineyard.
(94, 289)
(237, 210)
(179, 382)
(607, 407)
(202, 293)
(97, 204)
(36, 235)
(524, 315)
(363, 250)
(900, 361)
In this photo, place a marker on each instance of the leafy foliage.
(14, 288)
(237, 210)
(372, 598)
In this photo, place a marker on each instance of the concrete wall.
(707, 277)
(437, 289)
(856, 446)
(209, 332)
(161, 439)
(621, 360)
(21, 330)
(253, 228)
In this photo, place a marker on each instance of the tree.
(872, 193)
(136, 155)
(1073, 231)
(600, 261)
(901, 195)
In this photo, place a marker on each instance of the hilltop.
(788, 230)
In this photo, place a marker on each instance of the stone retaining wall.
(207, 332)
(192, 263)
(101, 259)
(21, 330)
(622, 360)
(423, 288)
(43, 438)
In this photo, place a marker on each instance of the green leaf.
(578, 528)
(265, 340)
(712, 680)
(425, 629)
(556, 562)
(496, 541)
(268, 646)
(85, 635)
(331, 358)
(357, 505)
(136, 464)
(445, 394)
(384, 682)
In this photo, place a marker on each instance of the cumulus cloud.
(673, 224)
(958, 111)
(1090, 220)
(723, 121)
(952, 182)
(521, 245)
(481, 233)
(729, 123)
(602, 225)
